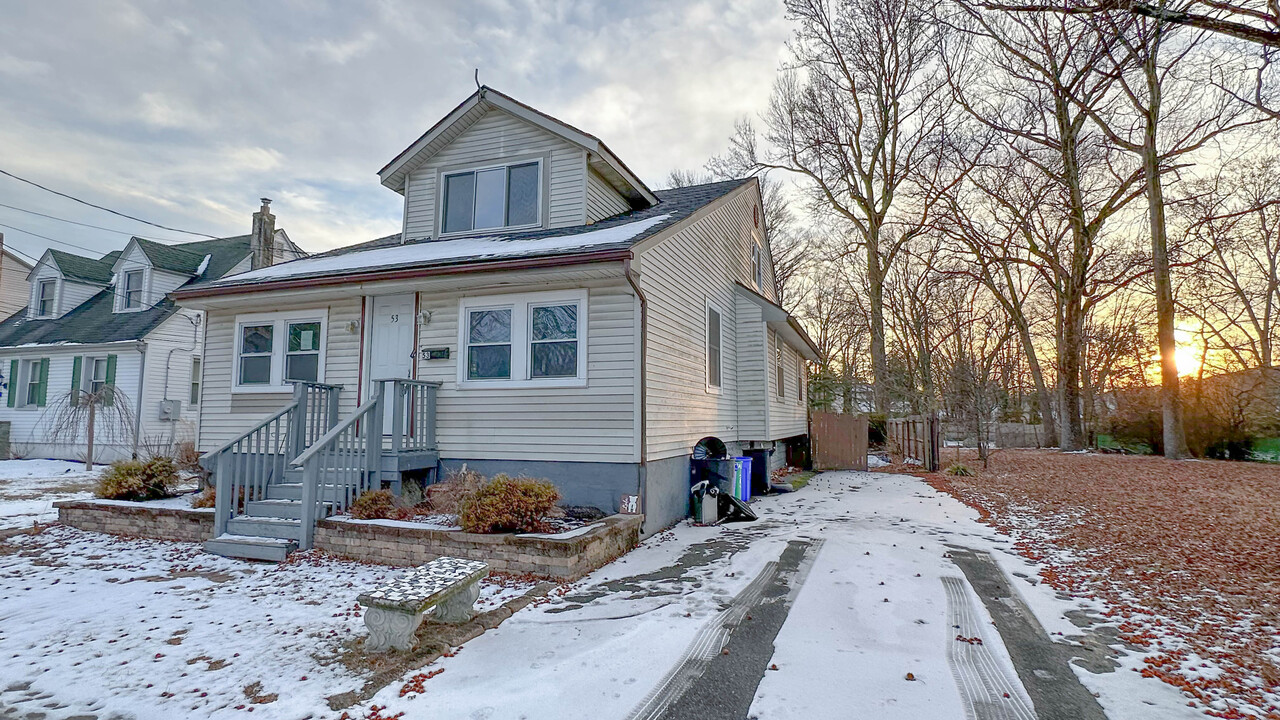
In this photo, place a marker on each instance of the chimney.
(262, 245)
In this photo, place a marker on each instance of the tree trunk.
(1070, 427)
(1175, 437)
(88, 456)
(875, 300)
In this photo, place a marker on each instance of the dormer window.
(46, 298)
(131, 290)
(492, 198)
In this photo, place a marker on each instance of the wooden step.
(265, 527)
(290, 509)
(250, 548)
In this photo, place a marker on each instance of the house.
(14, 288)
(541, 312)
(89, 323)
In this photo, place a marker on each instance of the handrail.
(328, 437)
(339, 466)
(227, 446)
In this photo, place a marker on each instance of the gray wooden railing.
(343, 463)
(413, 416)
(246, 465)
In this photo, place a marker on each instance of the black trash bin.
(759, 471)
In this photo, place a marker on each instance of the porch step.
(290, 509)
(250, 548)
(285, 491)
(265, 527)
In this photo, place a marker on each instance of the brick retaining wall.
(133, 520)
(558, 558)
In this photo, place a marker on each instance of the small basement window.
(492, 198)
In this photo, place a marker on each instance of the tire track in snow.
(986, 689)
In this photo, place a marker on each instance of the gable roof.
(80, 268)
(395, 174)
(579, 243)
(94, 321)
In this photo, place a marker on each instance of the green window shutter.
(13, 382)
(75, 380)
(43, 392)
(111, 379)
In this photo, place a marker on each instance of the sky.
(185, 113)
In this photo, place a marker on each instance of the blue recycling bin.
(742, 478)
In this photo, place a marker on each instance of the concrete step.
(265, 527)
(250, 548)
(291, 509)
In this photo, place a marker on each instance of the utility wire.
(74, 222)
(105, 209)
(60, 242)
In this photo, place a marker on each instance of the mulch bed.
(1186, 554)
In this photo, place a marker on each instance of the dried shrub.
(507, 504)
(206, 499)
(449, 495)
(188, 457)
(379, 505)
(137, 480)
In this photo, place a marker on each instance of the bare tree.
(853, 115)
(99, 414)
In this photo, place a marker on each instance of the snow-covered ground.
(28, 489)
(158, 630)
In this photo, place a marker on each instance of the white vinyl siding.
(591, 421)
(787, 415)
(602, 200)
(14, 288)
(225, 415)
(498, 137)
(753, 381)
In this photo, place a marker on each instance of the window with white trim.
(194, 400)
(778, 372)
(46, 298)
(274, 349)
(800, 378)
(95, 374)
(131, 284)
(506, 196)
(33, 380)
(530, 339)
(715, 343)
(757, 266)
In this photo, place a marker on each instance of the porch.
(303, 463)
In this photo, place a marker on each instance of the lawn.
(1185, 553)
(28, 489)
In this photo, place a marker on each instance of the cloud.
(17, 67)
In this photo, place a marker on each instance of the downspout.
(643, 479)
(142, 374)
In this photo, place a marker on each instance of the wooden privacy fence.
(917, 437)
(839, 442)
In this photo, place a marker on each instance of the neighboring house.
(14, 287)
(93, 322)
(580, 327)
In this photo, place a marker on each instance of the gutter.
(142, 374)
(643, 479)
(403, 274)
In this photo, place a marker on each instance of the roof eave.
(783, 322)
(404, 273)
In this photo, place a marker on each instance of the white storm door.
(391, 345)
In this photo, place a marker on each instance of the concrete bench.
(395, 610)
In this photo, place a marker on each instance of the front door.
(391, 344)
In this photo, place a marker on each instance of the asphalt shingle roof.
(674, 206)
(94, 321)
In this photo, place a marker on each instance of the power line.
(74, 222)
(60, 242)
(105, 209)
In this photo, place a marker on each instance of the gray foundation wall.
(599, 485)
(666, 498)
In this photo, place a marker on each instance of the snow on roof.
(440, 251)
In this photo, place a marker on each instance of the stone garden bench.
(450, 585)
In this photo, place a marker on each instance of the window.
(492, 198)
(553, 341)
(194, 400)
(131, 290)
(302, 361)
(95, 377)
(35, 375)
(274, 349)
(714, 343)
(757, 266)
(778, 374)
(46, 295)
(529, 339)
(800, 378)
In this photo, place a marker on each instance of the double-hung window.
(95, 377)
(131, 290)
(757, 267)
(534, 339)
(194, 400)
(274, 349)
(46, 298)
(35, 377)
(778, 372)
(715, 341)
(493, 198)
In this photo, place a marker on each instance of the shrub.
(188, 457)
(449, 495)
(506, 504)
(206, 499)
(137, 480)
(959, 470)
(379, 505)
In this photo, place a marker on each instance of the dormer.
(145, 271)
(495, 165)
(61, 281)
